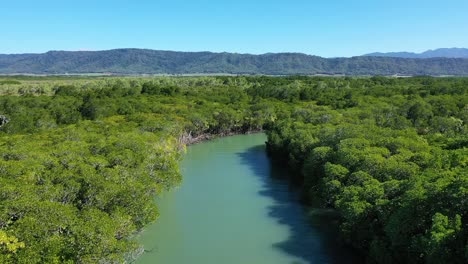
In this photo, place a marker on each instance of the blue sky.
(326, 28)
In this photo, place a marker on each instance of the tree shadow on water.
(312, 239)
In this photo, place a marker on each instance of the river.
(235, 207)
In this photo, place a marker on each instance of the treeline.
(81, 159)
(390, 155)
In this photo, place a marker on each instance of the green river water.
(235, 207)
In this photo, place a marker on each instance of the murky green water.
(234, 207)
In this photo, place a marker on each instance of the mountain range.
(145, 61)
(437, 53)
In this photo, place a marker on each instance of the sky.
(329, 28)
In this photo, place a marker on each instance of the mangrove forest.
(82, 159)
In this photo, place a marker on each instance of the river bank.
(234, 206)
(187, 138)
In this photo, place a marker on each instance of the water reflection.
(313, 238)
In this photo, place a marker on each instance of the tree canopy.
(82, 158)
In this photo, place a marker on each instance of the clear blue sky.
(327, 28)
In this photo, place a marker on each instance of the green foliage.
(9, 245)
(11, 82)
(81, 159)
(79, 168)
(394, 164)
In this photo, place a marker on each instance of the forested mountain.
(141, 61)
(437, 53)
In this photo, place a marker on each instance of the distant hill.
(143, 61)
(437, 53)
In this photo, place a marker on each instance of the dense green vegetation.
(391, 156)
(141, 61)
(82, 158)
(80, 166)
